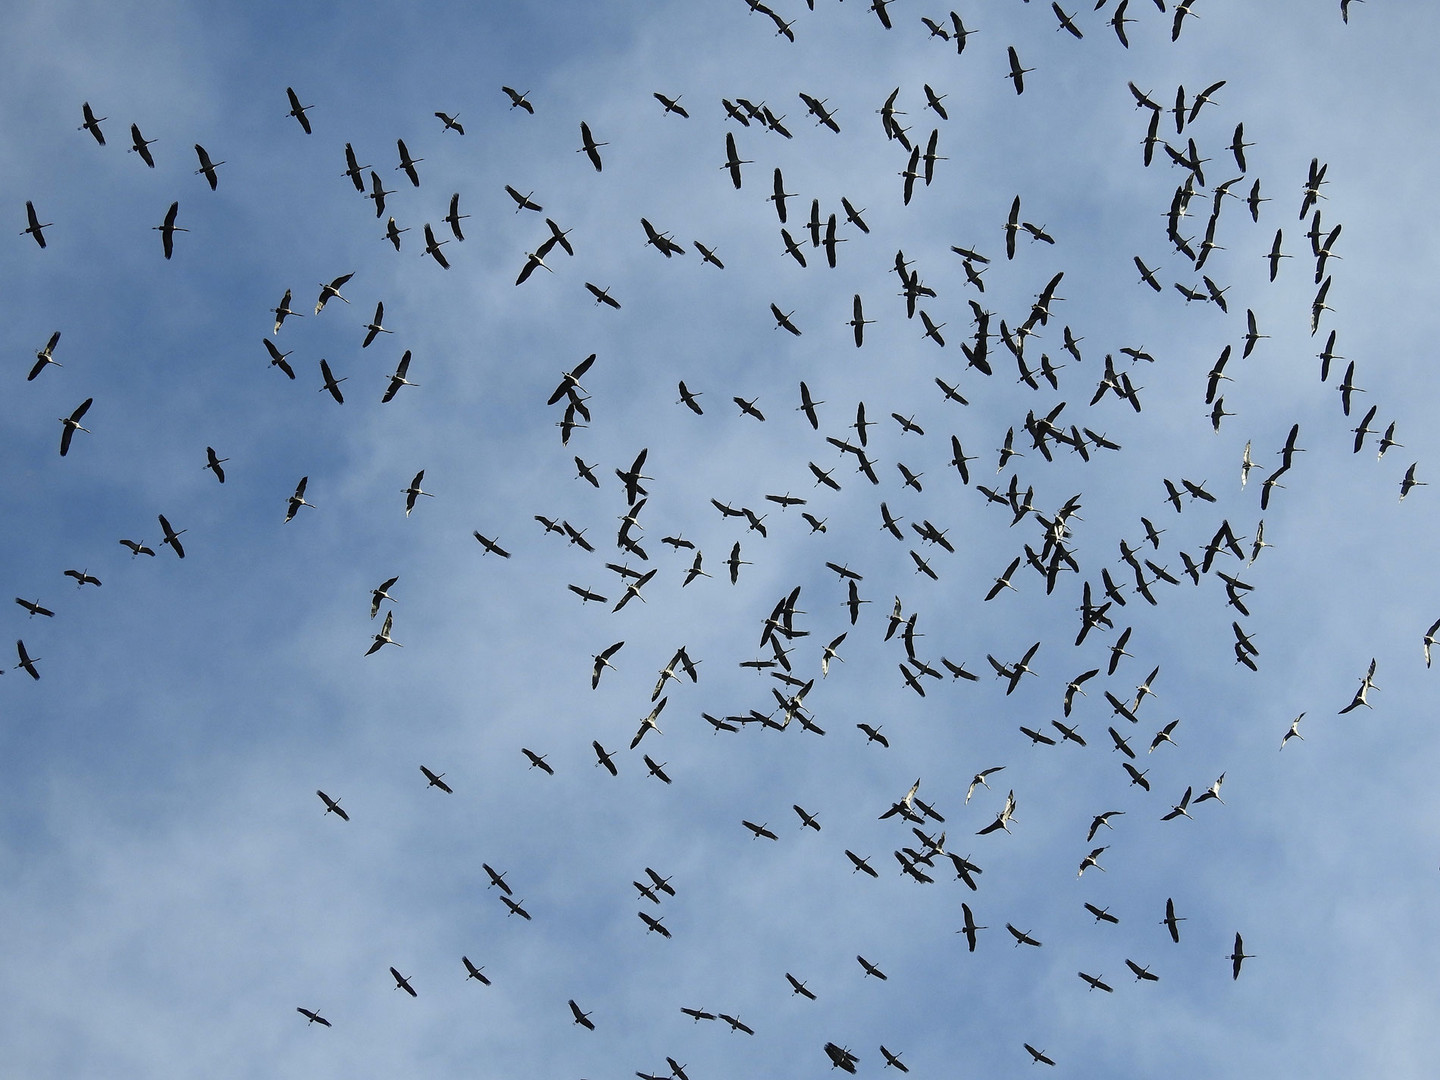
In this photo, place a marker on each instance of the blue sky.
(172, 889)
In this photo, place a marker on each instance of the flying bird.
(590, 148)
(581, 1018)
(297, 111)
(45, 357)
(1238, 956)
(36, 227)
(92, 123)
(518, 100)
(71, 424)
(298, 499)
(332, 806)
(332, 290)
(140, 145)
(207, 167)
(1017, 73)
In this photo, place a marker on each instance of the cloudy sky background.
(171, 887)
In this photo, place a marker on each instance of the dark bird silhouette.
(92, 123)
(141, 145)
(1238, 956)
(168, 229)
(207, 167)
(297, 110)
(71, 424)
(35, 227)
(581, 1018)
(332, 806)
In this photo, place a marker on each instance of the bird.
(140, 145)
(590, 148)
(452, 123)
(277, 358)
(83, 578)
(1101, 914)
(1408, 482)
(397, 380)
(860, 864)
(298, 111)
(672, 105)
(412, 492)
(1022, 937)
(736, 1024)
(871, 969)
(602, 296)
(497, 879)
(649, 722)
(1180, 809)
(840, 1058)
(331, 383)
(798, 987)
(71, 424)
(1212, 792)
(36, 227)
(760, 830)
(92, 123)
(283, 311)
(473, 972)
(45, 357)
(332, 806)
(518, 100)
(807, 820)
(380, 594)
(1038, 1056)
(402, 982)
(435, 780)
(213, 463)
(604, 758)
(353, 169)
(311, 1017)
(207, 167)
(298, 499)
(892, 1059)
(332, 290)
(1171, 921)
(1367, 683)
(383, 638)
(407, 163)
(1238, 956)
(27, 662)
(432, 247)
(172, 538)
(34, 608)
(1090, 860)
(1142, 974)
(1017, 73)
(378, 192)
(969, 929)
(581, 1018)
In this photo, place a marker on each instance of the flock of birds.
(1043, 551)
